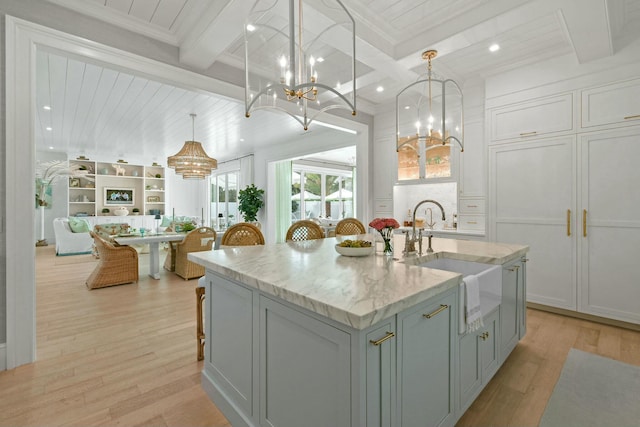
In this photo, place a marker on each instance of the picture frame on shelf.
(74, 182)
(153, 199)
(119, 196)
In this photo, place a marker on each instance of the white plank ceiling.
(93, 106)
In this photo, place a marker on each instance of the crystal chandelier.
(312, 66)
(192, 162)
(429, 113)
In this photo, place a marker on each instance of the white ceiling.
(93, 106)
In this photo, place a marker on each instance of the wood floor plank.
(126, 355)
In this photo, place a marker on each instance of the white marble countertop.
(355, 291)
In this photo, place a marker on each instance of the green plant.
(105, 210)
(187, 226)
(250, 202)
(136, 210)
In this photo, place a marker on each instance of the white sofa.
(68, 242)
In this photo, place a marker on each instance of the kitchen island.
(298, 335)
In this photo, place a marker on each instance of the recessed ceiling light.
(49, 128)
(406, 107)
(380, 89)
(320, 59)
(46, 107)
(494, 47)
(250, 28)
(50, 148)
(241, 139)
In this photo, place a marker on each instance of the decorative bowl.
(347, 251)
(121, 212)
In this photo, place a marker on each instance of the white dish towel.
(473, 313)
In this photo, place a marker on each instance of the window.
(321, 192)
(224, 199)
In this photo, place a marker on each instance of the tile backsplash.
(407, 196)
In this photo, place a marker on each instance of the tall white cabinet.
(568, 191)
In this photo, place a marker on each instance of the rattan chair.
(349, 226)
(198, 240)
(117, 264)
(304, 230)
(242, 234)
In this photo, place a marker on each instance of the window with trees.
(321, 192)
(224, 199)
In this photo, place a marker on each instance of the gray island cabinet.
(298, 335)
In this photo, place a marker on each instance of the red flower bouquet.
(385, 227)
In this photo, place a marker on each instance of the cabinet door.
(380, 375)
(469, 369)
(478, 359)
(522, 298)
(230, 342)
(609, 231)
(533, 118)
(425, 368)
(509, 321)
(532, 195)
(305, 369)
(617, 103)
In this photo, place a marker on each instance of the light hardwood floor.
(126, 355)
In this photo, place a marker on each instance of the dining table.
(153, 240)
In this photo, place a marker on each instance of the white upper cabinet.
(617, 103)
(540, 116)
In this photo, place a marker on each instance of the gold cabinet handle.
(484, 336)
(383, 339)
(637, 116)
(568, 222)
(525, 259)
(584, 223)
(528, 133)
(472, 206)
(442, 308)
(472, 222)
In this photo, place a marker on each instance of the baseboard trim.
(584, 316)
(226, 406)
(3, 357)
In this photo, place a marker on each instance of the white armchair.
(68, 242)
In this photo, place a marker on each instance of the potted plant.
(136, 211)
(105, 211)
(250, 202)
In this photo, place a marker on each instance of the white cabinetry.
(541, 116)
(145, 184)
(533, 194)
(607, 223)
(612, 104)
(573, 200)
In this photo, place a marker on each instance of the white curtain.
(283, 199)
(246, 172)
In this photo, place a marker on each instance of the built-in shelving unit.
(112, 185)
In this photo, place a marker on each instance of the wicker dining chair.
(241, 234)
(304, 230)
(349, 226)
(198, 240)
(117, 264)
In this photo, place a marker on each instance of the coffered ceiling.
(93, 105)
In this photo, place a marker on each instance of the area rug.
(594, 391)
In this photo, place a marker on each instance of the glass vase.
(388, 248)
